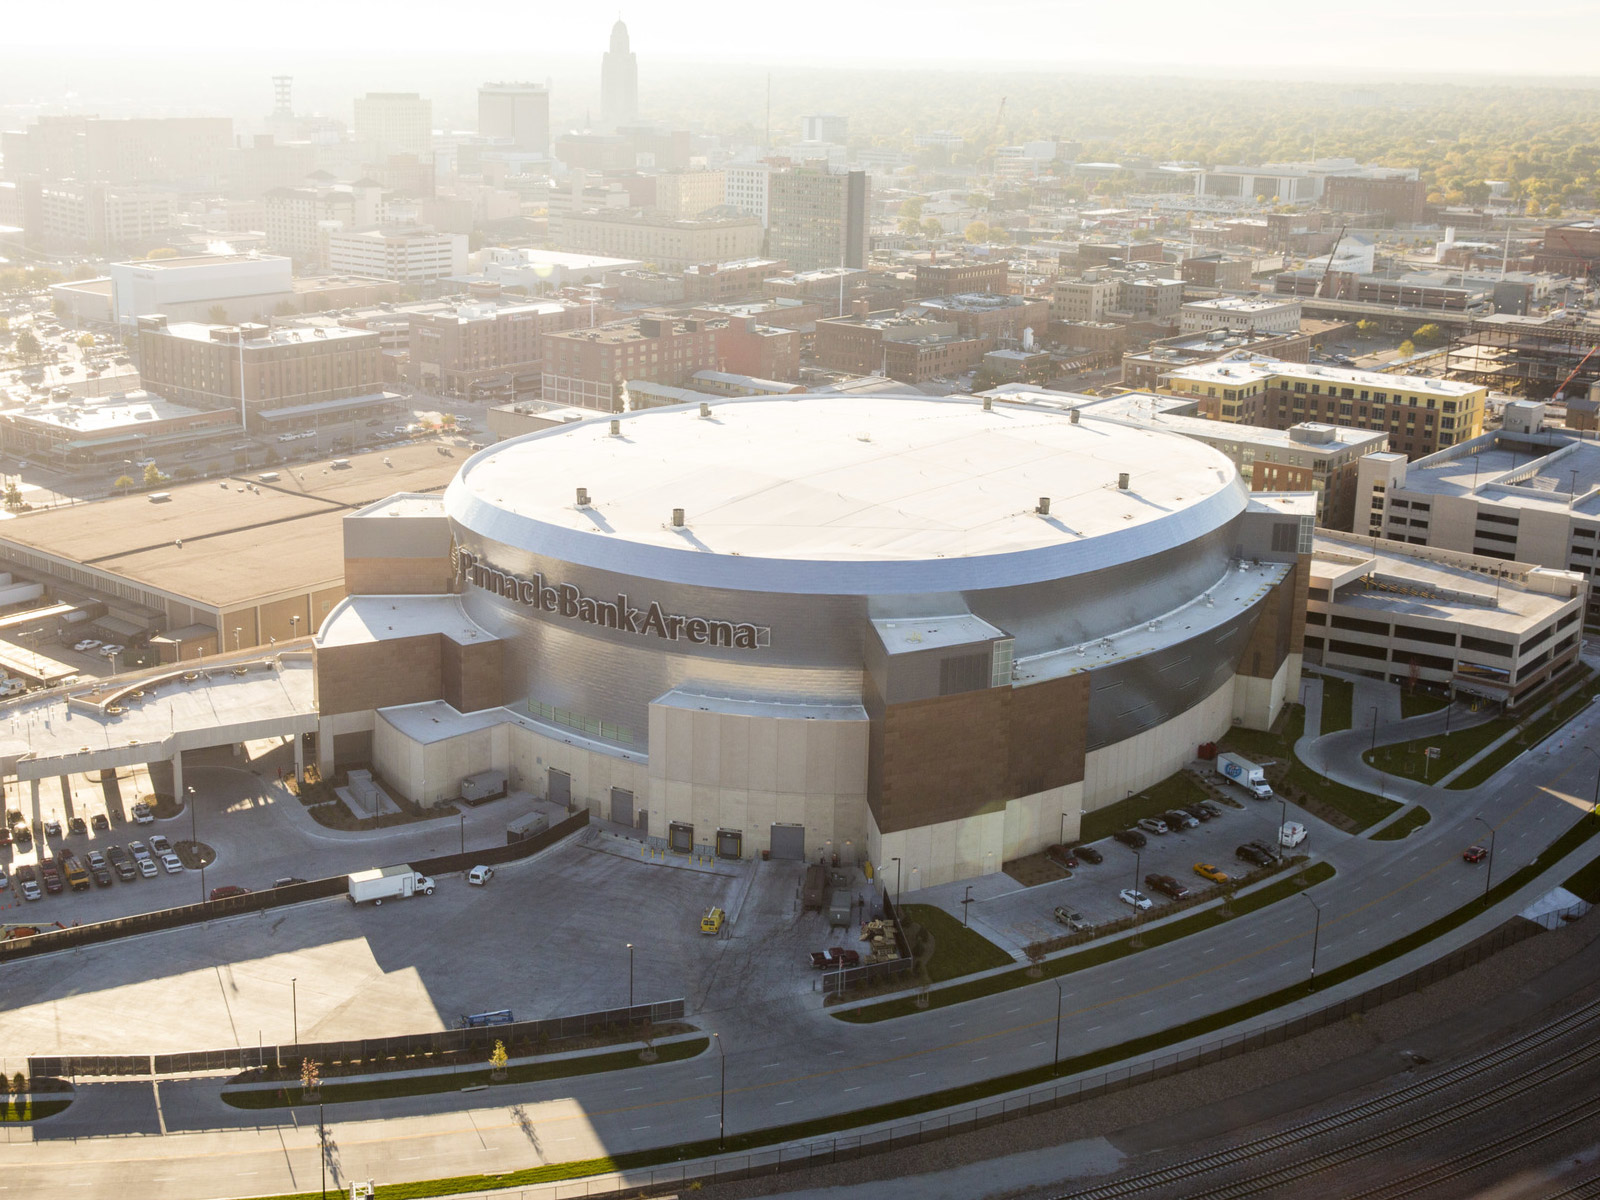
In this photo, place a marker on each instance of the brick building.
(291, 377)
(713, 282)
(589, 368)
(956, 277)
(1402, 201)
(910, 348)
(1216, 271)
(672, 243)
(484, 345)
(1570, 249)
(746, 347)
(984, 314)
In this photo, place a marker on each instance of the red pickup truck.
(834, 958)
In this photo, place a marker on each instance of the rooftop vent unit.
(1122, 481)
(616, 428)
(988, 404)
(1044, 506)
(1075, 416)
(677, 518)
(583, 497)
(705, 409)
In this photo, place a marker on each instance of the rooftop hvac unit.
(705, 410)
(1044, 506)
(583, 497)
(616, 428)
(677, 518)
(1122, 481)
(1075, 416)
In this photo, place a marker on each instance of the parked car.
(100, 821)
(1167, 886)
(1153, 825)
(1270, 851)
(112, 650)
(480, 875)
(159, 845)
(834, 958)
(23, 836)
(27, 883)
(5, 880)
(172, 864)
(78, 825)
(1088, 854)
(122, 864)
(86, 645)
(52, 828)
(1252, 854)
(1176, 818)
(1474, 854)
(228, 889)
(1197, 812)
(287, 881)
(1131, 837)
(1207, 871)
(142, 815)
(1063, 856)
(99, 868)
(1135, 898)
(1072, 919)
(1210, 807)
(51, 874)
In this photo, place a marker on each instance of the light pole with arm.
(630, 981)
(294, 1001)
(1063, 838)
(1374, 744)
(722, 1104)
(896, 863)
(1488, 873)
(1055, 1059)
(1316, 934)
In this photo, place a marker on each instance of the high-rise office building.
(824, 127)
(818, 218)
(619, 81)
(395, 123)
(518, 111)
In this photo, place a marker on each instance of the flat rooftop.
(102, 414)
(190, 261)
(1240, 304)
(845, 478)
(1425, 588)
(1231, 372)
(359, 620)
(238, 545)
(200, 331)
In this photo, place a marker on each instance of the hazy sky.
(1237, 38)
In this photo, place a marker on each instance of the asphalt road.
(788, 1060)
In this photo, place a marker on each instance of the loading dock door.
(730, 843)
(560, 788)
(680, 837)
(789, 841)
(622, 806)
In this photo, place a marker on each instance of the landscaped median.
(1408, 823)
(1345, 808)
(290, 1095)
(1095, 954)
(969, 1093)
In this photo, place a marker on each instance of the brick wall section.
(952, 757)
(397, 576)
(378, 674)
(471, 676)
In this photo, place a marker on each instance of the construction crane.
(1560, 392)
(1328, 270)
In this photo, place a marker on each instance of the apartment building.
(96, 216)
(279, 378)
(590, 368)
(1144, 368)
(1420, 414)
(672, 243)
(298, 220)
(819, 218)
(404, 255)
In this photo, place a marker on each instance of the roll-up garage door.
(622, 806)
(789, 841)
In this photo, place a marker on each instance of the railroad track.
(1189, 1172)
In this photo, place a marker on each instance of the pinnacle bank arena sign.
(566, 600)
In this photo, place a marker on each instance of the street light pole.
(896, 862)
(1488, 873)
(1063, 838)
(722, 1105)
(1055, 1059)
(294, 1000)
(1316, 935)
(322, 1149)
(630, 981)
(1374, 745)
(966, 906)
(463, 818)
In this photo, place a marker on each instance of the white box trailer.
(388, 883)
(20, 593)
(1237, 769)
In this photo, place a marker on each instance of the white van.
(1291, 833)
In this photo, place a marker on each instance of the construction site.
(1532, 357)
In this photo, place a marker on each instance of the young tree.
(153, 475)
(497, 1060)
(1407, 349)
(28, 344)
(977, 231)
(310, 1080)
(13, 494)
(86, 341)
(123, 482)
(1428, 335)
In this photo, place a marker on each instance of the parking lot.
(546, 936)
(1012, 916)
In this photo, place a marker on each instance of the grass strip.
(1338, 697)
(969, 1093)
(1408, 823)
(1095, 955)
(1406, 759)
(1586, 883)
(957, 950)
(1175, 791)
(1419, 704)
(429, 1085)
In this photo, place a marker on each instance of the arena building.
(891, 627)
